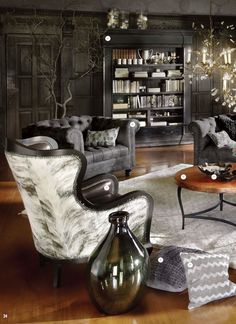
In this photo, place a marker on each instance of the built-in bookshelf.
(144, 79)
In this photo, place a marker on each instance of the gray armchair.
(204, 148)
(68, 217)
(71, 132)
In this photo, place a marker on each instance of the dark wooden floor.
(26, 293)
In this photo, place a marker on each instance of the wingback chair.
(68, 217)
(39, 142)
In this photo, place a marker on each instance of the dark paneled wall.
(23, 101)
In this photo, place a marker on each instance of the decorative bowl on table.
(222, 171)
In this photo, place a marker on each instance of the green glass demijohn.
(118, 268)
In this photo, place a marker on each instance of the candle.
(229, 56)
(225, 56)
(189, 56)
(204, 51)
(224, 84)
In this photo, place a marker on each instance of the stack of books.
(120, 105)
(158, 74)
(154, 90)
(121, 73)
(140, 74)
(117, 116)
(174, 73)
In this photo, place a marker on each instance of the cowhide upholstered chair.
(68, 217)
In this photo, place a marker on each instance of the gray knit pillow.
(102, 138)
(207, 278)
(222, 139)
(167, 270)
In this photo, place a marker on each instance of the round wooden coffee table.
(193, 179)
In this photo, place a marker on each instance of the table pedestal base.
(199, 214)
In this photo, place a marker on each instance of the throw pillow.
(167, 270)
(222, 139)
(207, 278)
(102, 138)
(228, 124)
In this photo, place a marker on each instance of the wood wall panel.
(26, 73)
(24, 59)
(201, 105)
(25, 118)
(25, 92)
(43, 93)
(82, 87)
(44, 114)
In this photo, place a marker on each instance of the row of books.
(123, 53)
(125, 86)
(128, 86)
(154, 101)
(174, 85)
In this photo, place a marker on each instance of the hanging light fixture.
(215, 55)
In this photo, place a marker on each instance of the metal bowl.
(222, 171)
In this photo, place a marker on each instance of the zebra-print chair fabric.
(68, 217)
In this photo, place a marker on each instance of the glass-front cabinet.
(144, 78)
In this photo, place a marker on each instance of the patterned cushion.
(207, 277)
(167, 270)
(228, 124)
(102, 138)
(222, 139)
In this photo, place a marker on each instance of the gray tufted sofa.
(71, 132)
(204, 149)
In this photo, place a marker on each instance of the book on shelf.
(142, 123)
(121, 73)
(137, 115)
(174, 73)
(174, 85)
(158, 123)
(119, 116)
(135, 102)
(154, 90)
(158, 74)
(175, 124)
(120, 105)
(140, 74)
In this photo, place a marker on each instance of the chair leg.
(127, 172)
(57, 275)
(42, 260)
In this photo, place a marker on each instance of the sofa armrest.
(75, 137)
(103, 188)
(200, 128)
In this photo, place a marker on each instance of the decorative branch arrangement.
(49, 64)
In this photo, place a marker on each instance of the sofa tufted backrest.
(80, 122)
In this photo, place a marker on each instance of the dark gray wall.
(169, 7)
(87, 93)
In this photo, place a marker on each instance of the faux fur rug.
(166, 229)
